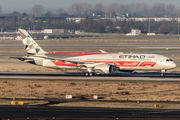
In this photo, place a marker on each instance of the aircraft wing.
(79, 63)
(66, 60)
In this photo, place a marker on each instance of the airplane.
(94, 63)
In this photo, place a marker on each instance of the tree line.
(106, 26)
(83, 9)
(91, 25)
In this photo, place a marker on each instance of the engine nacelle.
(103, 69)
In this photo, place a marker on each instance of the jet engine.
(103, 68)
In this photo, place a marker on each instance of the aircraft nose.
(170, 65)
(173, 65)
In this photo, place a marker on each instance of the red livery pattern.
(128, 63)
(19, 38)
(117, 63)
(60, 63)
(145, 64)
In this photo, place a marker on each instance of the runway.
(81, 76)
(69, 113)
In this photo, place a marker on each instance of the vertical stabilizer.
(31, 46)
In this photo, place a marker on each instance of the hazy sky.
(25, 5)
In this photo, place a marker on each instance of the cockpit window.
(169, 60)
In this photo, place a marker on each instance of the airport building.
(134, 32)
(53, 31)
(77, 20)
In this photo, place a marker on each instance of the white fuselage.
(122, 60)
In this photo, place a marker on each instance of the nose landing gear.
(162, 73)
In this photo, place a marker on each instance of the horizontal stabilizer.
(22, 58)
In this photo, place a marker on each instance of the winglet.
(103, 51)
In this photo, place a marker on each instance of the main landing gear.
(90, 74)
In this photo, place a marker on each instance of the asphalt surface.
(69, 113)
(81, 76)
(45, 112)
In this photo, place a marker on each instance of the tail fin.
(31, 46)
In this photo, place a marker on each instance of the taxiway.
(81, 76)
(69, 113)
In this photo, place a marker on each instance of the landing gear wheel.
(90, 74)
(87, 74)
(162, 75)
